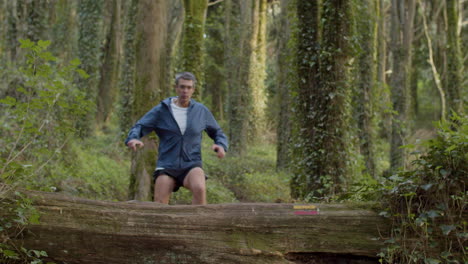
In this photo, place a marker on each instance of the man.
(179, 122)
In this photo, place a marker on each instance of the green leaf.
(445, 254)
(10, 253)
(8, 101)
(75, 62)
(433, 214)
(34, 219)
(446, 229)
(426, 186)
(26, 43)
(409, 146)
(451, 148)
(82, 73)
(432, 261)
(43, 43)
(443, 172)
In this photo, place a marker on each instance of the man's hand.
(219, 151)
(134, 143)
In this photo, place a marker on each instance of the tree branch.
(215, 2)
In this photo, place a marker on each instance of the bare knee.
(195, 180)
(198, 188)
(163, 188)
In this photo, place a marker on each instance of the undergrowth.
(427, 204)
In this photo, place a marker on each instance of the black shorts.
(177, 174)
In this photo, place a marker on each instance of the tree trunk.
(174, 29)
(75, 230)
(110, 68)
(307, 100)
(238, 51)
(384, 94)
(37, 20)
(322, 101)
(215, 73)
(454, 60)
(401, 39)
(285, 77)
(127, 75)
(89, 51)
(64, 30)
(151, 32)
(365, 83)
(193, 39)
(257, 72)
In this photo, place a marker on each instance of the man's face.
(185, 89)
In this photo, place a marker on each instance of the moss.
(194, 27)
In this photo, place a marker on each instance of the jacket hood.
(168, 100)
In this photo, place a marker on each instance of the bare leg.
(163, 188)
(195, 182)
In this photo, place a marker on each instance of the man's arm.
(144, 126)
(216, 133)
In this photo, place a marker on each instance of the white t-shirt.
(180, 115)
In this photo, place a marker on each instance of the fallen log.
(76, 230)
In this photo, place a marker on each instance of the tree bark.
(110, 69)
(365, 82)
(257, 72)
(89, 51)
(322, 103)
(215, 73)
(384, 93)
(454, 60)
(307, 90)
(237, 53)
(149, 73)
(75, 230)
(285, 77)
(65, 30)
(127, 75)
(401, 38)
(174, 29)
(193, 39)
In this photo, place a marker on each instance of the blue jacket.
(177, 150)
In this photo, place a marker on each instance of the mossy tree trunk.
(365, 94)
(37, 20)
(384, 102)
(24, 19)
(334, 108)
(237, 58)
(110, 69)
(150, 40)
(244, 70)
(402, 15)
(305, 133)
(257, 72)
(127, 75)
(175, 18)
(193, 39)
(89, 52)
(454, 84)
(215, 72)
(285, 78)
(3, 31)
(322, 101)
(64, 29)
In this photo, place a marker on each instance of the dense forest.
(322, 101)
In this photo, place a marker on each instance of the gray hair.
(185, 76)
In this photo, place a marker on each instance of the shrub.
(428, 203)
